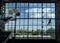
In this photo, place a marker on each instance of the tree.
(51, 31)
(37, 32)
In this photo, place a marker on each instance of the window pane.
(35, 21)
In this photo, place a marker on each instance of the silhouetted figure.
(6, 19)
(17, 14)
(49, 22)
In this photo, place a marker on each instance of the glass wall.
(36, 20)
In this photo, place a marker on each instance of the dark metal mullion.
(20, 20)
(37, 22)
(27, 7)
(42, 21)
(32, 27)
(11, 22)
(55, 23)
(35, 18)
(19, 27)
(46, 17)
(15, 23)
(30, 7)
(51, 17)
(19, 24)
(28, 23)
(32, 24)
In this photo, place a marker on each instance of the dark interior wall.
(58, 21)
(32, 0)
(57, 13)
(2, 24)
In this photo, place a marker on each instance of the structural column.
(2, 24)
(57, 21)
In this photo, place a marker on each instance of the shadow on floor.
(27, 41)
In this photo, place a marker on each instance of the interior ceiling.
(44, 1)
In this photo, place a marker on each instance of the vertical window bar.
(42, 21)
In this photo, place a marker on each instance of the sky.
(34, 11)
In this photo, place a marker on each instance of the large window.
(37, 20)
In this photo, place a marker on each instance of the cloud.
(36, 15)
(37, 12)
(51, 15)
(33, 10)
(46, 9)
